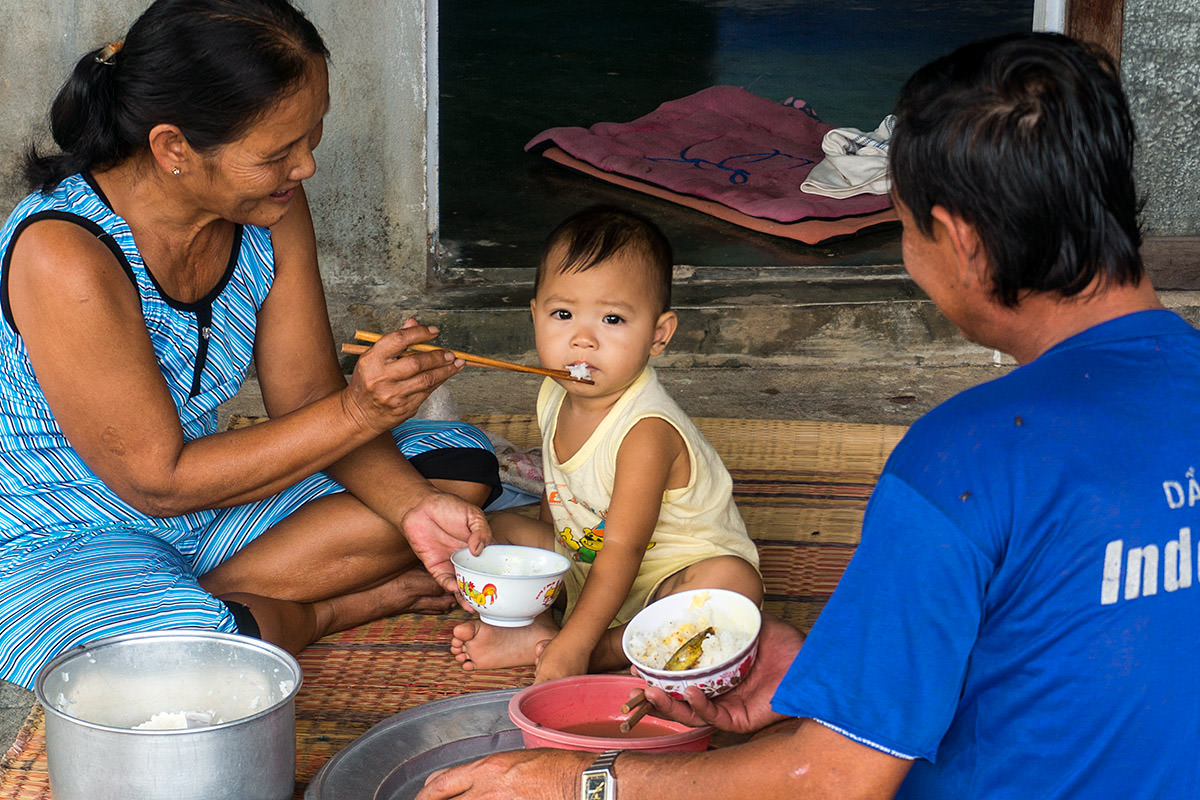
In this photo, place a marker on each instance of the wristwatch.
(598, 781)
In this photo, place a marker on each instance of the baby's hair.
(595, 234)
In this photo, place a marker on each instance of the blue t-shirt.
(1021, 614)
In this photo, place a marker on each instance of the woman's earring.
(175, 171)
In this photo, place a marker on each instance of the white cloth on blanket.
(855, 162)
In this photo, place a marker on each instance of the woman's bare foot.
(414, 591)
(294, 625)
(477, 645)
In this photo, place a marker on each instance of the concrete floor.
(15, 704)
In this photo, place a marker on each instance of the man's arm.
(796, 758)
(811, 762)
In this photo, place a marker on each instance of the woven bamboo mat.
(801, 486)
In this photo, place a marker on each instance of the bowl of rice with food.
(707, 638)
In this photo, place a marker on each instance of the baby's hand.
(555, 660)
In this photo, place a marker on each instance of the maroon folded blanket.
(809, 231)
(721, 144)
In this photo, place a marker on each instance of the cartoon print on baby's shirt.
(591, 541)
(587, 546)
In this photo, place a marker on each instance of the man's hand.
(513, 775)
(747, 707)
(439, 525)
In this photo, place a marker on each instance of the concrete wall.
(1161, 74)
(368, 196)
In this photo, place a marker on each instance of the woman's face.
(252, 180)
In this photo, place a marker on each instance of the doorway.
(510, 70)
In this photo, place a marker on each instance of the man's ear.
(170, 148)
(963, 239)
(664, 329)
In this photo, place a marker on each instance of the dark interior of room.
(510, 70)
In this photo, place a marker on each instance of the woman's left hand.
(439, 525)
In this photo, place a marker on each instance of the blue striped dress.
(76, 561)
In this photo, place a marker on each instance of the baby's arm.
(652, 458)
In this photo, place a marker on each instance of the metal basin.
(242, 694)
(392, 759)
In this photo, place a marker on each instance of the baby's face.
(607, 317)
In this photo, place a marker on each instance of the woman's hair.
(598, 233)
(1028, 137)
(210, 67)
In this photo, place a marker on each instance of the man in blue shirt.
(1017, 620)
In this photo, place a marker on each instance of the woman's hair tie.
(108, 52)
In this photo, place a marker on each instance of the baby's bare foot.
(477, 645)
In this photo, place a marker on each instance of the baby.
(635, 495)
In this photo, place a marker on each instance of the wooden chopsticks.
(640, 707)
(483, 361)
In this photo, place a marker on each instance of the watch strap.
(606, 760)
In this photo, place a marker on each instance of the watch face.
(595, 786)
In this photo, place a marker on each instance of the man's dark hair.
(1027, 137)
(211, 67)
(595, 234)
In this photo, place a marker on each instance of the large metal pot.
(96, 694)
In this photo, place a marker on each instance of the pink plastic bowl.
(577, 713)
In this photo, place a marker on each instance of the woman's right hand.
(390, 382)
(747, 707)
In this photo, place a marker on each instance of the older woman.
(164, 248)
